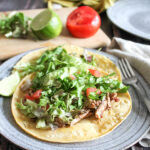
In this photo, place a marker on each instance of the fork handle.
(142, 96)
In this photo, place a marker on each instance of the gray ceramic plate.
(124, 136)
(132, 16)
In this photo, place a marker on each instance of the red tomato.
(34, 96)
(91, 89)
(72, 77)
(83, 22)
(37, 94)
(29, 97)
(95, 73)
(47, 106)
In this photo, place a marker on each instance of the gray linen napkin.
(137, 54)
(139, 57)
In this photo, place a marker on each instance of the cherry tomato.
(83, 22)
(34, 96)
(91, 89)
(95, 73)
(72, 77)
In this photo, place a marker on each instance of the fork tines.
(126, 68)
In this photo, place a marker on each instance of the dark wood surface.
(110, 29)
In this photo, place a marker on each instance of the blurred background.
(99, 5)
(6, 5)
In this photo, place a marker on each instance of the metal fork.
(130, 78)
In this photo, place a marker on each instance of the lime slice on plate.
(9, 84)
(46, 25)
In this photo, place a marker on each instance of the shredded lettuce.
(62, 73)
(27, 108)
(50, 61)
(40, 123)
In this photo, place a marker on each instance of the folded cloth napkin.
(139, 57)
(137, 54)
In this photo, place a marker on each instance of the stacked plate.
(132, 16)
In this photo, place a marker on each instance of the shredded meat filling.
(80, 117)
(108, 101)
(58, 122)
(113, 96)
(101, 109)
(100, 106)
(92, 107)
(93, 104)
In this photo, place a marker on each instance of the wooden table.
(111, 30)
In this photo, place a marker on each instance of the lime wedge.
(9, 84)
(46, 25)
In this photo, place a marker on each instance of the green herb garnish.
(15, 25)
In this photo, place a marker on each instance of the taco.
(68, 95)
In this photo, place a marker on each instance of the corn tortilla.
(87, 129)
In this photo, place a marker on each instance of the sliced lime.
(46, 25)
(9, 84)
